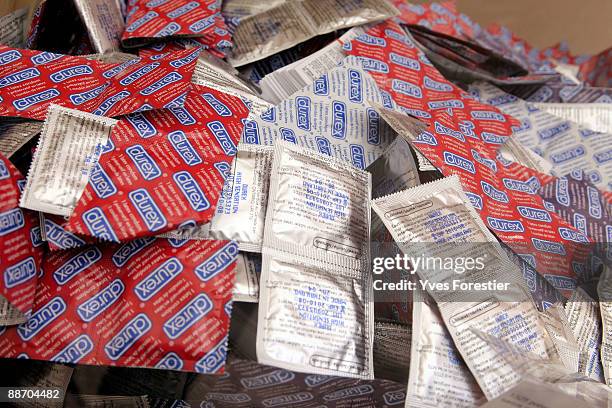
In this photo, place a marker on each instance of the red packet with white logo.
(21, 248)
(153, 20)
(163, 169)
(462, 138)
(148, 303)
(31, 80)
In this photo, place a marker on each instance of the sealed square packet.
(68, 148)
(147, 303)
(315, 307)
(153, 20)
(436, 220)
(31, 80)
(162, 170)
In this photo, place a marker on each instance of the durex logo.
(110, 102)
(339, 120)
(373, 127)
(102, 300)
(156, 280)
(271, 379)
(355, 86)
(181, 145)
(190, 314)
(192, 191)
(475, 200)
(144, 163)
(20, 272)
(75, 350)
(405, 61)
(141, 124)
(487, 115)
(552, 131)
(76, 265)
(101, 182)
(568, 155)
(571, 235)
(60, 237)
(7, 57)
(18, 77)
(288, 135)
(202, 25)
(371, 40)
(81, 98)
(65, 74)
(223, 138)
(31, 100)
(150, 15)
(11, 221)
(168, 30)
(147, 209)
(535, 214)
(492, 192)
(357, 156)
(183, 9)
(44, 58)
(41, 318)
(548, 246)
(170, 361)
(406, 88)
(460, 162)
(323, 145)
(128, 336)
(98, 224)
(217, 262)
(250, 134)
(214, 360)
(374, 65)
(217, 105)
(178, 63)
(500, 224)
(170, 78)
(445, 130)
(436, 86)
(321, 85)
(302, 104)
(182, 115)
(139, 73)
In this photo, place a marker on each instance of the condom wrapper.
(146, 303)
(391, 362)
(68, 148)
(104, 22)
(20, 248)
(315, 305)
(15, 133)
(153, 20)
(11, 28)
(466, 143)
(31, 80)
(162, 170)
(561, 92)
(437, 219)
(565, 144)
(594, 116)
(432, 348)
(289, 23)
(250, 384)
(334, 115)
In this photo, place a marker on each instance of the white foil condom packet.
(69, 147)
(438, 375)
(316, 313)
(440, 212)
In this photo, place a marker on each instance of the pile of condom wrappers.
(305, 203)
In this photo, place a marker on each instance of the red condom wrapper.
(462, 138)
(20, 241)
(162, 169)
(154, 20)
(147, 303)
(31, 80)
